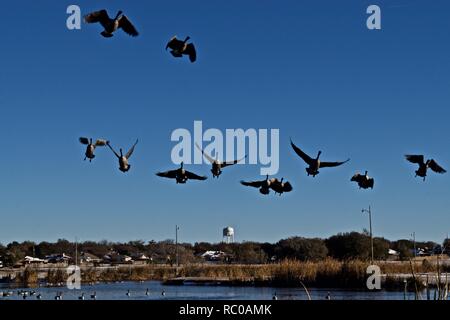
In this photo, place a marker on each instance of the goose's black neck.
(118, 14)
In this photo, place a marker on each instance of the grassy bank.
(289, 273)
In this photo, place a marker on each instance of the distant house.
(393, 252)
(419, 252)
(33, 260)
(116, 258)
(141, 259)
(214, 255)
(58, 258)
(88, 258)
(393, 255)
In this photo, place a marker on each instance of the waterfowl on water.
(111, 25)
(124, 166)
(6, 294)
(180, 48)
(363, 180)
(147, 292)
(181, 175)
(217, 165)
(424, 165)
(94, 296)
(81, 297)
(264, 186)
(90, 149)
(315, 164)
(128, 293)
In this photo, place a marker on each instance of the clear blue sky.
(309, 68)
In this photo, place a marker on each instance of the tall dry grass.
(28, 277)
(287, 273)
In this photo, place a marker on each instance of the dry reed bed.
(325, 273)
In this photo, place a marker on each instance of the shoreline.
(321, 274)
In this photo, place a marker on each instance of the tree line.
(343, 246)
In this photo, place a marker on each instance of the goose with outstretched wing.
(262, 185)
(363, 180)
(280, 187)
(181, 175)
(90, 146)
(424, 165)
(180, 48)
(124, 165)
(218, 165)
(314, 164)
(111, 25)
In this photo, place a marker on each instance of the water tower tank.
(228, 234)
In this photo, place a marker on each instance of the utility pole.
(369, 211)
(76, 251)
(176, 245)
(414, 243)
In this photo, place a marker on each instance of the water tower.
(228, 235)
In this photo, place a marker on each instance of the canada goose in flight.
(124, 166)
(217, 165)
(111, 25)
(423, 166)
(314, 164)
(90, 149)
(263, 185)
(279, 187)
(363, 180)
(267, 184)
(180, 47)
(181, 175)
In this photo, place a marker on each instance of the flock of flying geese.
(181, 175)
(110, 25)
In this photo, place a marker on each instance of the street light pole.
(369, 211)
(176, 245)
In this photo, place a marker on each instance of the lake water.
(118, 291)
